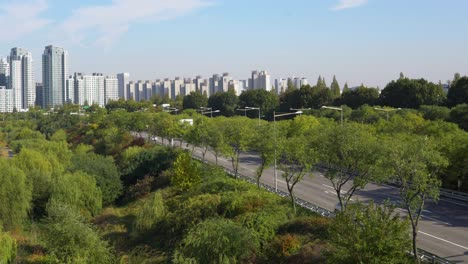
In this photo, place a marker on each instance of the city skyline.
(359, 41)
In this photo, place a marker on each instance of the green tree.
(69, 239)
(238, 132)
(79, 191)
(369, 234)
(335, 88)
(414, 163)
(296, 158)
(7, 248)
(266, 101)
(360, 96)
(345, 88)
(195, 100)
(216, 241)
(263, 143)
(351, 154)
(39, 173)
(14, 194)
(104, 171)
(433, 112)
(406, 93)
(458, 92)
(152, 211)
(226, 103)
(186, 172)
(459, 115)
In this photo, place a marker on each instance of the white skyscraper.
(54, 75)
(21, 79)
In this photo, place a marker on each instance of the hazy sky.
(368, 41)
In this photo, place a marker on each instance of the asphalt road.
(443, 229)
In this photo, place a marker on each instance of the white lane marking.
(441, 239)
(427, 211)
(282, 181)
(449, 201)
(427, 217)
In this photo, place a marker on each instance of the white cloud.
(344, 4)
(20, 19)
(103, 24)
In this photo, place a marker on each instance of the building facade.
(54, 75)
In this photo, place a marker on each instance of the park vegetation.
(96, 187)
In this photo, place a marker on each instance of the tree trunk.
(415, 246)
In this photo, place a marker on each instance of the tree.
(266, 101)
(226, 103)
(14, 194)
(369, 234)
(414, 163)
(296, 159)
(69, 239)
(459, 115)
(186, 172)
(238, 132)
(79, 191)
(216, 241)
(360, 96)
(39, 173)
(104, 171)
(335, 88)
(406, 93)
(216, 137)
(433, 112)
(7, 248)
(152, 211)
(195, 100)
(458, 92)
(351, 154)
(345, 88)
(263, 143)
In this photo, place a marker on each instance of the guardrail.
(431, 258)
(461, 196)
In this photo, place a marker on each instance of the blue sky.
(369, 41)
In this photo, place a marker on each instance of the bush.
(7, 248)
(217, 241)
(70, 240)
(150, 213)
(186, 172)
(79, 191)
(315, 226)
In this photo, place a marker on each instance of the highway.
(443, 229)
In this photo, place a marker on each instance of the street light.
(210, 112)
(386, 110)
(247, 108)
(274, 124)
(337, 109)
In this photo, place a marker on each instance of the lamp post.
(274, 125)
(244, 110)
(386, 110)
(247, 108)
(337, 109)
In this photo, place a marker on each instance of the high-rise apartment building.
(281, 85)
(21, 78)
(111, 89)
(4, 72)
(54, 75)
(260, 80)
(123, 79)
(175, 87)
(6, 100)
